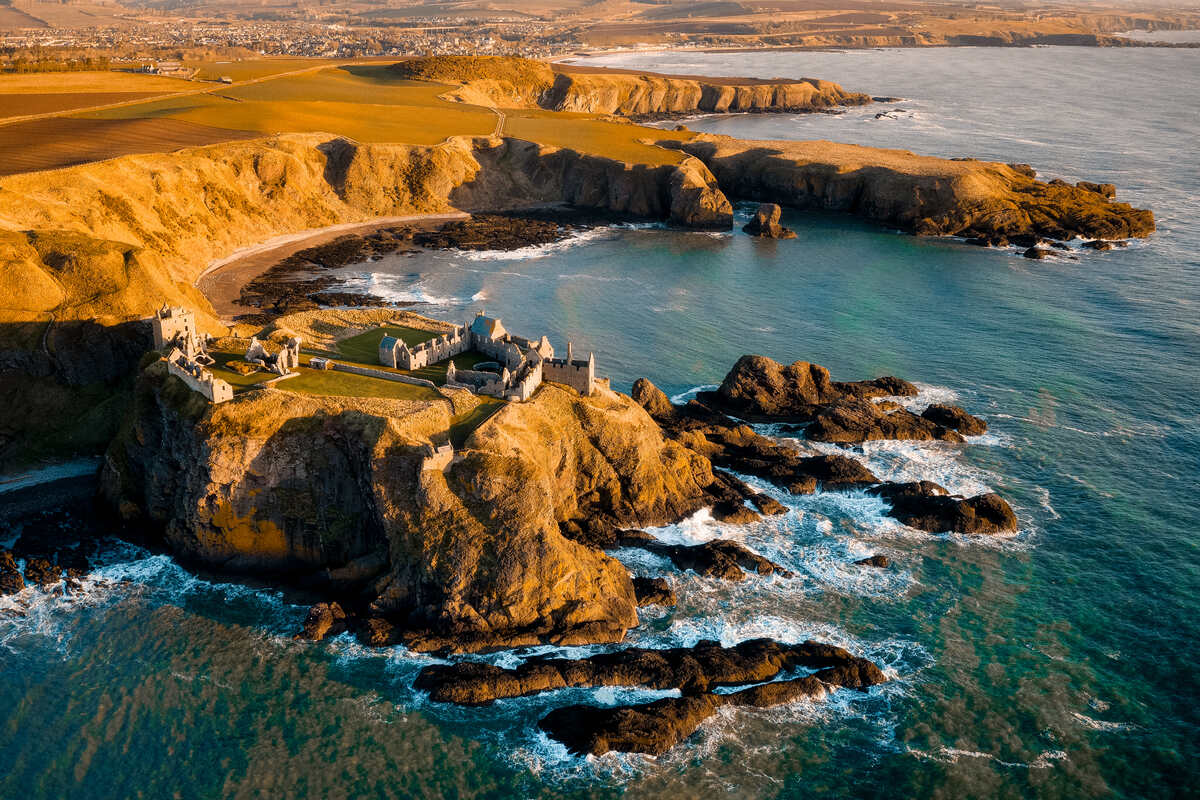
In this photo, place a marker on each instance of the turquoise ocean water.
(1055, 663)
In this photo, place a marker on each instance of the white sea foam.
(1101, 725)
(951, 755)
(684, 397)
(396, 289)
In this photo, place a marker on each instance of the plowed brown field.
(61, 142)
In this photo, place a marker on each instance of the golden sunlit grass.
(253, 68)
(76, 82)
(594, 136)
(366, 106)
(366, 102)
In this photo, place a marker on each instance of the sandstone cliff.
(921, 194)
(333, 491)
(523, 83)
(89, 249)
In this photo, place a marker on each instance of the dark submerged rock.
(653, 592)
(955, 418)
(878, 561)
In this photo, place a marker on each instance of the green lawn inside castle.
(345, 353)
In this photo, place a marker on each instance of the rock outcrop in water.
(656, 727)
(765, 223)
(766, 391)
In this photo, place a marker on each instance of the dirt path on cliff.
(222, 281)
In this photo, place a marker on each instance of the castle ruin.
(522, 363)
(176, 327)
(188, 357)
(284, 362)
(197, 378)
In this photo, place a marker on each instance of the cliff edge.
(524, 83)
(920, 194)
(337, 493)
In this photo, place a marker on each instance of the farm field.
(49, 92)
(58, 142)
(366, 102)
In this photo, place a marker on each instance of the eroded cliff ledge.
(336, 493)
(919, 194)
(524, 83)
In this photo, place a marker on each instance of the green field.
(364, 349)
(343, 384)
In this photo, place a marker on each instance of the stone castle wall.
(215, 389)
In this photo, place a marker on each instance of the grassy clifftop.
(523, 83)
(521, 72)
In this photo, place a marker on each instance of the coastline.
(221, 281)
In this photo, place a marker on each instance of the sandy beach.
(223, 279)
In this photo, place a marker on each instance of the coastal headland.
(89, 250)
(425, 513)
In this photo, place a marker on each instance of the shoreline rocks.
(657, 726)
(765, 223)
(843, 413)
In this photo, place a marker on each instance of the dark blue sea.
(1056, 663)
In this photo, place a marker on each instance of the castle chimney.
(570, 352)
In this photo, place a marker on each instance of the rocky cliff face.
(648, 96)
(524, 83)
(334, 491)
(86, 250)
(921, 194)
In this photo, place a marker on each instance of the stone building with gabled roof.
(522, 363)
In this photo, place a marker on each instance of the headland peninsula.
(457, 488)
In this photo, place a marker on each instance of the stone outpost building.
(524, 363)
(282, 363)
(188, 357)
(197, 377)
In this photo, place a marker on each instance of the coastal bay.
(960, 627)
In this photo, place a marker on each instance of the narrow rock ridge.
(656, 727)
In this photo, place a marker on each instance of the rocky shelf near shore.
(509, 545)
(305, 280)
(754, 666)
